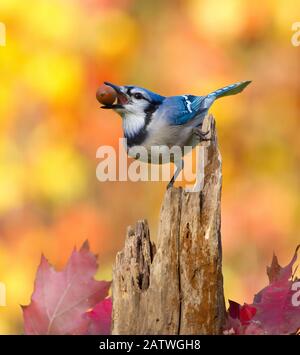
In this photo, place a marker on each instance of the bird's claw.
(202, 135)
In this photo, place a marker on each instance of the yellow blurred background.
(59, 51)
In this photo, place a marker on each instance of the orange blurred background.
(59, 51)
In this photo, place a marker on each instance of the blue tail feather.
(230, 89)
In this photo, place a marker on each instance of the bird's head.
(134, 100)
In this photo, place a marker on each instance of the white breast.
(132, 124)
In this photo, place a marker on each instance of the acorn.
(106, 95)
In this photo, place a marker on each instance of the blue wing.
(181, 109)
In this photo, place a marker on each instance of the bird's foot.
(203, 136)
(206, 132)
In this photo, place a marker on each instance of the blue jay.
(150, 119)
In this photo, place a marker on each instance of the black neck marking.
(142, 134)
(152, 107)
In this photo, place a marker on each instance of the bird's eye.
(138, 96)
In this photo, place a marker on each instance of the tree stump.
(176, 288)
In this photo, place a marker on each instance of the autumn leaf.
(274, 310)
(244, 313)
(100, 318)
(61, 298)
(239, 319)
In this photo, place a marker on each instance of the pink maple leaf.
(100, 318)
(274, 310)
(61, 298)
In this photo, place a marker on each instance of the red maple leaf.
(100, 318)
(239, 319)
(275, 309)
(61, 298)
(244, 313)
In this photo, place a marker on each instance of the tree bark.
(176, 288)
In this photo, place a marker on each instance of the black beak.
(122, 98)
(115, 87)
